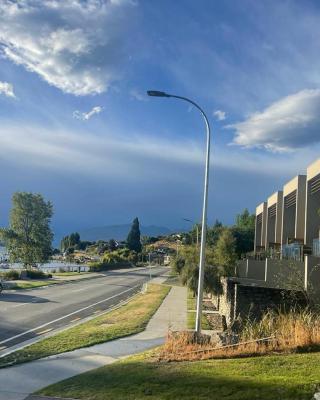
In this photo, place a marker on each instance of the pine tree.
(225, 252)
(133, 239)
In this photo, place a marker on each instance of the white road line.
(80, 290)
(66, 316)
(20, 305)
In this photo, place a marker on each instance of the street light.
(197, 229)
(156, 93)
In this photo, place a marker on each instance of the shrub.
(11, 275)
(37, 274)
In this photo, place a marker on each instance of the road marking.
(20, 305)
(66, 316)
(75, 319)
(45, 331)
(3, 347)
(79, 290)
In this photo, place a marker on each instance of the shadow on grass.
(268, 378)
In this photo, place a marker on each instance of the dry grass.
(276, 332)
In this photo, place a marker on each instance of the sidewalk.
(17, 382)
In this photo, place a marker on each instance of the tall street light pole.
(156, 93)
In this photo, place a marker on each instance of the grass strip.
(191, 315)
(30, 284)
(129, 319)
(284, 377)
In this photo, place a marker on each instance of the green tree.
(214, 232)
(225, 252)
(28, 238)
(245, 220)
(112, 245)
(133, 239)
(243, 232)
(244, 240)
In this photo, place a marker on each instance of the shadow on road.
(22, 298)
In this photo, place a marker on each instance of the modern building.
(289, 221)
(312, 211)
(274, 221)
(260, 227)
(294, 207)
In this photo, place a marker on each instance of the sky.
(77, 126)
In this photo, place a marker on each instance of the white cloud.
(290, 123)
(75, 45)
(138, 95)
(219, 115)
(6, 89)
(85, 116)
(143, 155)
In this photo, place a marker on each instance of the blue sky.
(76, 125)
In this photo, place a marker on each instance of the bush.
(11, 275)
(37, 274)
(106, 265)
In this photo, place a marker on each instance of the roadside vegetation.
(285, 377)
(191, 313)
(225, 245)
(276, 332)
(128, 319)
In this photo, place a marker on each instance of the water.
(51, 266)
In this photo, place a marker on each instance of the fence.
(275, 273)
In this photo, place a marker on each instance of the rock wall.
(240, 300)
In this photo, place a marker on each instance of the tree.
(28, 238)
(214, 232)
(112, 245)
(244, 240)
(244, 232)
(133, 239)
(245, 220)
(225, 252)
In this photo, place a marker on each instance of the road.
(25, 314)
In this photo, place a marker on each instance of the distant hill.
(120, 232)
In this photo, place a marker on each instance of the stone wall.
(240, 300)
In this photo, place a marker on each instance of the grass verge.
(30, 284)
(284, 377)
(126, 320)
(191, 315)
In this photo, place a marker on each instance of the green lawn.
(126, 320)
(281, 377)
(29, 284)
(191, 315)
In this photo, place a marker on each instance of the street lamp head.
(157, 93)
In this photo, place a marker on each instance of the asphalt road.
(25, 314)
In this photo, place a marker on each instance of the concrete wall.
(312, 278)
(288, 274)
(285, 274)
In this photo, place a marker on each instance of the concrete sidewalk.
(17, 382)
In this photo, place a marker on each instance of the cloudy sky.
(76, 125)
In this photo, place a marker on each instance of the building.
(288, 222)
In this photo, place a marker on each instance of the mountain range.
(120, 232)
